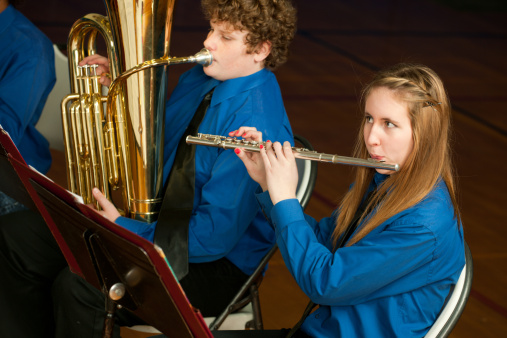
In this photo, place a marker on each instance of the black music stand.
(130, 270)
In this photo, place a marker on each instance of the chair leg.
(256, 306)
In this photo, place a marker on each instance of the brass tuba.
(115, 142)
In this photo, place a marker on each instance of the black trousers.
(41, 297)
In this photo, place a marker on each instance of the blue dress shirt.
(27, 76)
(392, 283)
(226, 220)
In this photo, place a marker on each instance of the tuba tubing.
(302, 153)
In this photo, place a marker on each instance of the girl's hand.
(102, 69)
(280, 171)
(252, 160)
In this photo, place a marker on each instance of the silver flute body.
(302, 153)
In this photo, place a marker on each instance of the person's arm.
(274, 169)
(109, 211)
(23, 90)
(322, 230)
(351, 275)
(277, 173)
(143, 229)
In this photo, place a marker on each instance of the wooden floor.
(338, 44)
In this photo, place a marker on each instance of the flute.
(302, 153)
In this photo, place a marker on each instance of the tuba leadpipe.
(114, 141)
(302, 153)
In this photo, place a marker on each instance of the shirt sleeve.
(322, 230)
(143, 229)
(23, 90)
(355, 274)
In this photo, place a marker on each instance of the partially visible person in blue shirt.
(27, 76)
(396, 268)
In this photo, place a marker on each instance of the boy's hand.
(102, 69)
(109, 211)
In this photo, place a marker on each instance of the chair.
(452, 310)
(307, 171)
(50, 121)
(244, 312)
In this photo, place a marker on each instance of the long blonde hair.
(430, 114)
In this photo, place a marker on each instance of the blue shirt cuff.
(264, 201)
(143, 229)
(286, 212)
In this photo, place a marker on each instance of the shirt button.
(317, 316)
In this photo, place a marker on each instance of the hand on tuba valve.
(102, 69)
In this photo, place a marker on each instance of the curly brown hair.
(265, 20)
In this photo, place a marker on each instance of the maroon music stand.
(131, 271)
(14, 186)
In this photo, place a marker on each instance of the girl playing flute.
(384, 262)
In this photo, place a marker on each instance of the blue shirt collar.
(230, 88)
(378, 179)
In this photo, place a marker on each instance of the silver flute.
(302, 153)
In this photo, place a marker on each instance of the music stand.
(130, 270)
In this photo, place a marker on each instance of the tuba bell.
(115, 141)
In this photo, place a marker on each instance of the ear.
(262, 51)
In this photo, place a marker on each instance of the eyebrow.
(226, 31)
(214, 25)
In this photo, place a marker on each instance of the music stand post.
(128, 269)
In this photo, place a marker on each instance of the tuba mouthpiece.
(203, 57)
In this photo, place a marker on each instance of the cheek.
(366, 133)
(406, 147)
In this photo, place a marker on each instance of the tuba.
(115, 141)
